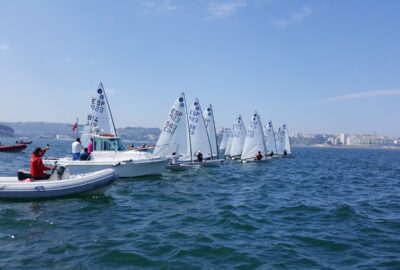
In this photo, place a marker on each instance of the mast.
(202, 118)
(109, 109)
(187, 126)
(77, 128)
(215, 130)
(262, 133)
(273, 133)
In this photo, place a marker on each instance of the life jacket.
(37, 168)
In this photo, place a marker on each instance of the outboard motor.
(60, 172)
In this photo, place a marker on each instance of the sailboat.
(229, 143)
(270, 140)
(208, 116)
(108, 148)
(174, 133)
(199, 138)
(224, 140)
(174, 141)
(279, 142)
(238, 137)
(255, 141)
(287, 149)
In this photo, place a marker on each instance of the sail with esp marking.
(286, 140)
(209, 120)
(238, 137)
(270, 139)
(99, 119)
(255, 140)
(199, 139)
(174, 133)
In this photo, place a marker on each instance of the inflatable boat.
(60, 184)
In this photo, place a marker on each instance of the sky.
(320, 66)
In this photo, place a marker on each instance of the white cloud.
(224, 9)
(160, 6)
(4, 47)
(362, 95)
(298, 16)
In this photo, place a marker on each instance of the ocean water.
(325, 208)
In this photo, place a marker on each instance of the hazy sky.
(318, 65)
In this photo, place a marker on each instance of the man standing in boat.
(76, 149)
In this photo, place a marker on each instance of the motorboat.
(60, 184)
(12, 148)
(109, 151)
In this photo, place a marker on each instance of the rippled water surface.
(323, 209)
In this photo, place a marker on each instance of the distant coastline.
(348, 146)
(63, 131)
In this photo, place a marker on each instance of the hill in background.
(51, 130)
(6, 131)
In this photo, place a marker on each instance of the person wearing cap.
(37, 169)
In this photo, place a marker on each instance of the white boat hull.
(125, 169)
(12, 188)
(181, 167)
(209, 163)
(264, 160)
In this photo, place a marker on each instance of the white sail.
(208, 115)
(286, 140)
(99, 119)
(270, 138)
(255, 140)
(224, 140)
(279, 142)
(174, 133)
(199, 139)
(239, 135)
(229, 143)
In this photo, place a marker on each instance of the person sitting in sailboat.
(259, 156)
(174, 158)
(199, 157)
(37, 169)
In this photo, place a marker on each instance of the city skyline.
(320, 67)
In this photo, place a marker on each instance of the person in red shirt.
(37, 168)
(90, 146)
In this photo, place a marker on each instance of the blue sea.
(325, 208)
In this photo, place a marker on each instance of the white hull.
(129, 168)
(264, 160)
(12, 188)
(209, 163)
(181, 167)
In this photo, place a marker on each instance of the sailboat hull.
(264, 160)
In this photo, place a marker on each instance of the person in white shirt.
(174, 158)
(76, 149)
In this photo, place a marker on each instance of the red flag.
(75, 126)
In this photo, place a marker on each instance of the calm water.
(323, 209)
